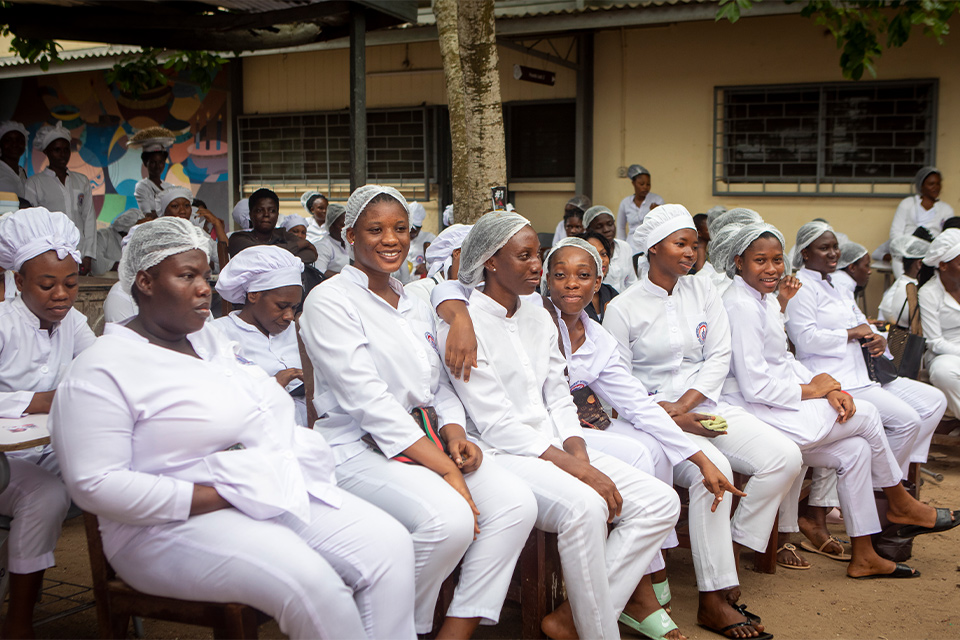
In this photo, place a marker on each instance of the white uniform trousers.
(601, 572)
(346, 574)
(945, 375)
(441, 525)
(859, 453)
(37, 501)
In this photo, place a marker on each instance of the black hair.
(700, 218)
(926, 273)
(593, 235)
(314, 198)
(909, 263)
(263, 194)
(951, 223)
(146, 155)
(572, 212)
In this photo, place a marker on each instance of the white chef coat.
(331, 256)
(74, 198)
(146, 193)
(621, 274)
(108, 251)
(630, 214)
(271, 353)
(527, 405)
(911, 214)
(424, 286)
(940, 318)
(892, 306)
(818, 317)
(10, 290)
(139, 425)
(673, 342)
(720, 280)
(415, 257)
(119, 305)
(597, 364)
(373, 364)
(12, 181)
(315, 232)
(32, 359)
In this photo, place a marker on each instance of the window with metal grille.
(291, 151)
(541, 145)
(832, 139)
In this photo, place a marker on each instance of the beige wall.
(659, 82)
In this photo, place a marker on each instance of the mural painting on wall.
(101, 118)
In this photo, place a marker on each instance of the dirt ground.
(819, 603)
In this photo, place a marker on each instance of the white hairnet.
(293, 220)
(417, 214)
(805, 236)
(738, 216)
(307, 199)
(241, 214)
(49, 133)
(944, 248)
(11, 125)
(168, 195)
(448, 215)
(660, 223)
(721, 247)
(438, 254)
(125, 221)
(635, 170)
(258, 268)
(909, 247)
(334, 211)
(27, 233)
(922, 175)
(592, 213)
(488, 235)
(581, 202)
(850, 252)
(156, 241)
(362, 196)
(713, 212)
(580, 243)
(740, 241)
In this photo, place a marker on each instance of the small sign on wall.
(529, 74)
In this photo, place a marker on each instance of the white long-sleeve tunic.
(137, 426)
(673, 342)
(621, 273)
(910, 214)
(628, 213)
(12, 181)
(893, 307)
(74, 198)
(818, 317)
(940, 318)
(331, 255)
(373, 364)
(146, 193)
(33, 360)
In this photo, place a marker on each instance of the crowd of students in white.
(462, 410)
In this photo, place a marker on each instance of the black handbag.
(880, 368)
(907, 347)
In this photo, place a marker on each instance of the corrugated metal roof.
(104, 51)
(511, 9)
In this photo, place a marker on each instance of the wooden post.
(584, 116)
(358, 97)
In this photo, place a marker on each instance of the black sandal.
(944, 523)
(723, 632)
(752, 617)
(901, 571)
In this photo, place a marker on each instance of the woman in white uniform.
(593, 361)
(266, 280)
(177, 202)
(40, 333)
(315, 204)
(634, 208)
(924, 209)
(204, 486)
(333, 253)
(375, 363)
(940, 314)
(572, 222)
(295, 224)
(621, 273)
(674, 335)
(58, 189)
(520, 410)
(443, 261)
(813, 410)
(909, 251)
(13, 143)
(154, 144)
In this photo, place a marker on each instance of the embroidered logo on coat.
(702, 332)
(432, 341)
(80, 201)
(243, 360)
(576, 386)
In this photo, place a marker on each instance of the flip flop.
(792, 549)
(723, 632)
(843, 556)
(902, 571)
(944, 523)
(662, 591)
(742, 610)
(655, 626)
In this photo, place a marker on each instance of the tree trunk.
(470, 63)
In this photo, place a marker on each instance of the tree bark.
(468, 46)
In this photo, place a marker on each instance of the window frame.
(508, 135)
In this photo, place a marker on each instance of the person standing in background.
(633, 209)
(154, 143)
(13, 142)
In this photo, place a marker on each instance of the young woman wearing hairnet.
(828, 331)
(634, 208)
(520, 410)
(675, 335)
(909, 251)
(924, 208)
(813, 410)
(940, 314)
(40, 333)
(315, 203)
(655, 443)
(333, 252)
(376, 368)
(572, 222)
(621, 273)
(204, 486)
